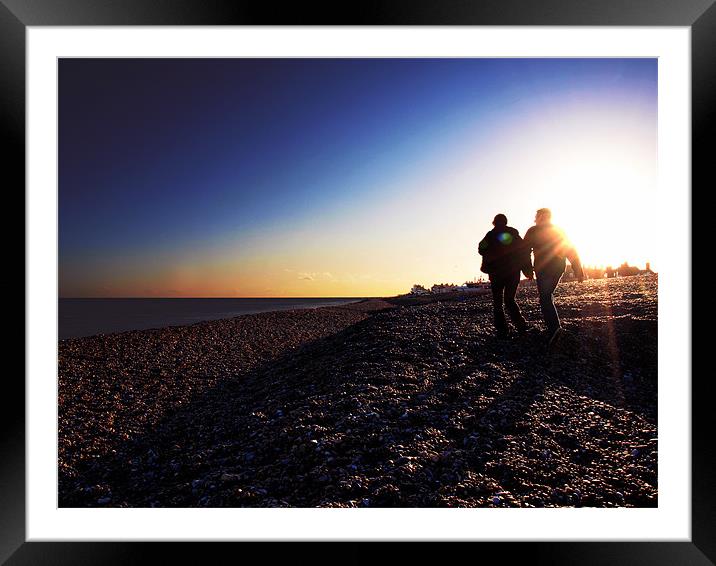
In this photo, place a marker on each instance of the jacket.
(551, 249)
(504, 253)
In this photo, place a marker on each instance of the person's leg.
(512, 307)
(546, 284)
(497, 285)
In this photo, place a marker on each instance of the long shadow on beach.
(417, 406)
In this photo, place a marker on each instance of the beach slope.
(377, 403)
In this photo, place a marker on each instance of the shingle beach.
(381, 403)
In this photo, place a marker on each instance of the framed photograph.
(423, 275)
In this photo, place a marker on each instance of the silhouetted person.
(503, 257)
(551, 249)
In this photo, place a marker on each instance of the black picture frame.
(16, 15)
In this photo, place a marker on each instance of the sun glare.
(604, 236)
(607, 212)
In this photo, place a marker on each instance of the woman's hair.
(500, 220)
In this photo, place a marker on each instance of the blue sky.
(236, 177)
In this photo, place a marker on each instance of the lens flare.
(505, 238)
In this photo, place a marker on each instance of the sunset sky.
(342, 177)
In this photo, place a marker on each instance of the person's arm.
(575, 263)
(528, 268)
(482, 246)
(523, 255)
(529, 236)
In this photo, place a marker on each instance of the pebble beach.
(394, 402)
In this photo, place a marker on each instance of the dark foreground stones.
(370, 405)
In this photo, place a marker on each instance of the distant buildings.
(418, 290)
(478, 286)
(443, 288)
(481, 286)
(624, 270)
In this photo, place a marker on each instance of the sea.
(87, 317)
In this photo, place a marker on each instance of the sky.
(342, 177)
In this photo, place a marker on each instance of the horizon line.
(298, 298)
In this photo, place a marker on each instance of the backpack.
(484, 248)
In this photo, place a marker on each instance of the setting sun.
(615, 223)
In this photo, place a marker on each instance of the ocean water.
(87, 317)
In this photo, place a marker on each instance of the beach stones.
(402, 404)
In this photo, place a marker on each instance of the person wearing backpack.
(551, 250)
(503, 257)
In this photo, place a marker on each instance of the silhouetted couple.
(505, 254)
